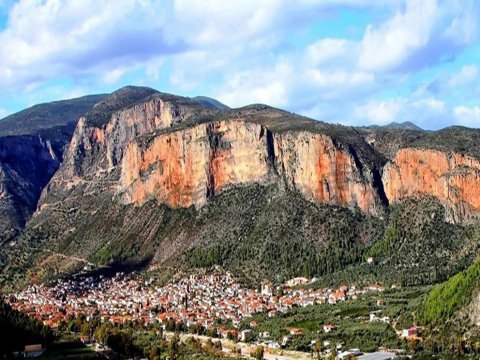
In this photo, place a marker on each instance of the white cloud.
(431, 103)
(425, 112)
(77, 38)
(330, 50)
(467, 75)
(239, 52)
(300, 82)
(112, 76)
(387, 46)
(468, 116)
(464, 28)
(380, 112)
(50, 38)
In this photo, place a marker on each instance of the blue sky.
(354, 62)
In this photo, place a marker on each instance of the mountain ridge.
(145, 173)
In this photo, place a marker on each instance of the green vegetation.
(446, 299)
(45, 118)
(71, 350)
(452, 139)
(259, 234)
(18, 330)
(419, 247)
(290, 237)
(351, 318)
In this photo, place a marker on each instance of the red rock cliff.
(185, 167)
(454, 179)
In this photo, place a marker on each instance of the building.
(377, 356)
(244, 335)
(297, 281)
(349, 353)
(33, 351)
(295, 332)
(409, 332)
(329, 328)
(267, 288)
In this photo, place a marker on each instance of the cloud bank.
(404, 60)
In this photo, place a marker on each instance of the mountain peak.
(407, 125)
(210, 102)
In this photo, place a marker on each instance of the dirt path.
(70, 257)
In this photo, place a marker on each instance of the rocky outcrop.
(186, 167)
(181, 153)
(152, 151)
(325, 172)
(452, 178)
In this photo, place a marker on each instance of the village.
(197, 299)
(204, 300)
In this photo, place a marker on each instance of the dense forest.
(18, 330)
(447, 298)
(412, 245)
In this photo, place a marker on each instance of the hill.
(407, 125)
(448, 298)
(211, 102)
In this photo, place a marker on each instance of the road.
(229, 345)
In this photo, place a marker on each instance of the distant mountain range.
(407, 125)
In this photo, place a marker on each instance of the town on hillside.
(198, 300)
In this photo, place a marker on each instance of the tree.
(155, 352)
(173, 347)
(258, 353)
(317, 348)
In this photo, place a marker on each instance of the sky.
(354, 62)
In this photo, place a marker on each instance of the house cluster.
(197, 299)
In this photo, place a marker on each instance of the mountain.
(211, 102)
(407, 125)
(176, 182)
(32, 142)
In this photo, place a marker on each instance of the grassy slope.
(258, 232)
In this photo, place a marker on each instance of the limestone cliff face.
(92, 162)
(186, 167)
(181, 153)
(324, 172)
(110, 141)
(452, 178)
